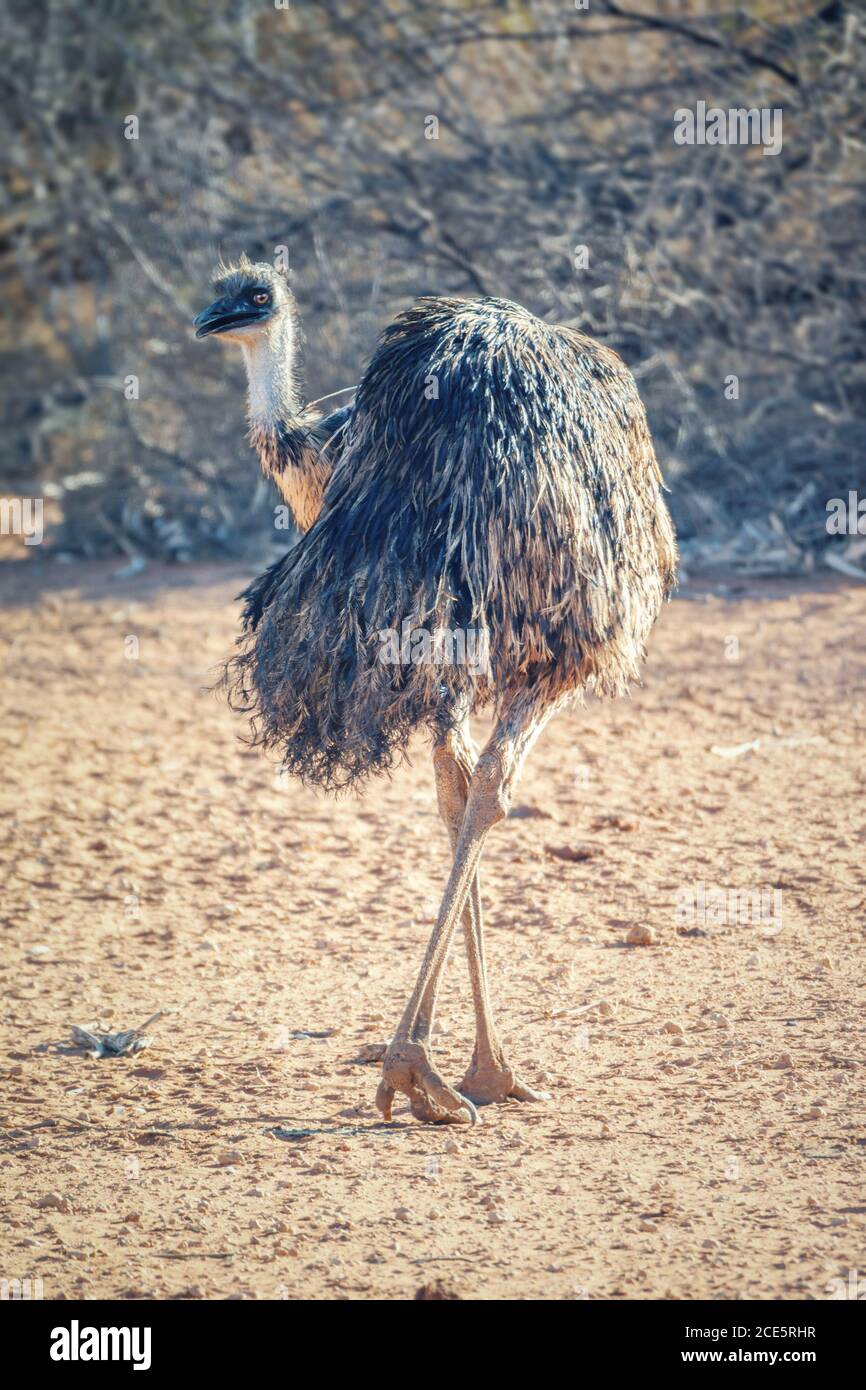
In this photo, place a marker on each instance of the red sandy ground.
(154, 862)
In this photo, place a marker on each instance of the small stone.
(452, 1147)
(499, 1215)
(641, 936)
(574, 854)
(53, 1201)
(404, 1213)
(227, 1157)
(649, 1227)
(372, 1052)
(437, 1289)
(671, 1027)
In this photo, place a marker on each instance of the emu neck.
(281, 431)
(269, 358)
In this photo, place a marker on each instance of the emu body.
(494, 474)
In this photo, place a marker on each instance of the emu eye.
(261, 297)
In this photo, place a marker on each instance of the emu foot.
(407, 1067)
(495, 1081)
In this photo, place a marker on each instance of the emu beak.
(222, 315)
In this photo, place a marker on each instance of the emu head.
(253, 300)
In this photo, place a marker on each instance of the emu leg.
(407, 1065)
(489, 1077)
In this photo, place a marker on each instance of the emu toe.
(407, 1067)
(488, 1085)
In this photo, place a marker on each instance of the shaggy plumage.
(495, 476)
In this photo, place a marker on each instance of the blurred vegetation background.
(262, 124)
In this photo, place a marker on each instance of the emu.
(494, 473)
